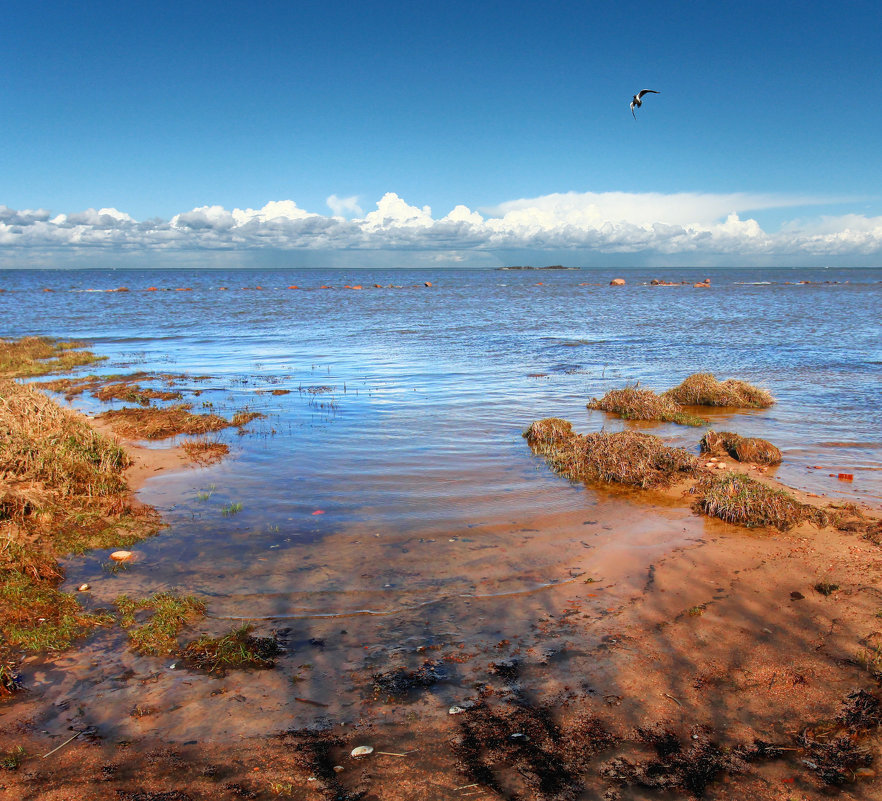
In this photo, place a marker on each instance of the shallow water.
(406, 405)
(390, 490)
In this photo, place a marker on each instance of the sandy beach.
(657, 666)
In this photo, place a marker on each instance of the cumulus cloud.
(343, 206)
(646, 225)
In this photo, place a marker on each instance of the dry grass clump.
(737, 498)
(170, 613)
(153, 423)
(702, 389)
(205, 452)
(544, 435)
(744, 449)
(632, 403)
(134, 393)
(626, 457)
(238, 649)
(244, 418)
(31, 356)
(61, 491)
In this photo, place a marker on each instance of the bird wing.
(646, 92)
(632, 110)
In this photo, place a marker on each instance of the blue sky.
(120, 122)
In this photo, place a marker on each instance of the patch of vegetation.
(243, 418)
(153, 423)
(134, 393)
(744, 449)
(825, 588)
(626, 457)
(737, 498)
(61, 491)
(632, 403)
(170, 613)
(13, 758)
(231, 509)
(9, 680)
(205, 452)
(238, 649)
(33, 356)
(399, 683)
(702, 389)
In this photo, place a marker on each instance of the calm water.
(407, 404)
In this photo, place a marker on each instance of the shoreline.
(713, 638)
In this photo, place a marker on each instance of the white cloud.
(647, 225)
(343, 206)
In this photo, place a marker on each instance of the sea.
(394, 401)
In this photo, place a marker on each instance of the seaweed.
(398, 684)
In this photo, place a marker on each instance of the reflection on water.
(404, 409)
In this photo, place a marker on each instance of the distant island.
(550, 267)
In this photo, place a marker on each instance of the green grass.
(231, 509)
(35, 616)
(238, 649)
(12, 759)
(33, 356)
(169, 613)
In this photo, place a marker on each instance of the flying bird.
(637, 100)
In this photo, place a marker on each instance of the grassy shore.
(62, 491)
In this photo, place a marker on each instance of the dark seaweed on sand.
(399, 683)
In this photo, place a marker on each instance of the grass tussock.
(61, 491)
(737, 498)
(744, 449)
(245, 417)
(205, 452)
(238, 649)
(168, 614)
(153, 423)
(632, 403)
(626, 457)
(33, 356)
(702, 389)
(131, 392)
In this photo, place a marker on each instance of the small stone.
(121, 556)
(84, 588)
(721, 466)
(338, 768)
(362, 750)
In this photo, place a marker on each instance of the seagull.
(637, 100)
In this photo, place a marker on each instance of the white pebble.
(362, 750)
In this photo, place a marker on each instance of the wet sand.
(633, 611)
